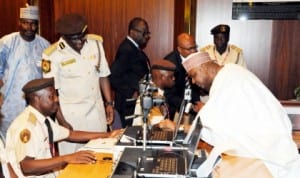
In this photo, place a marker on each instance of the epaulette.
(48, 51)
(205, 48)
(32, 119)
(95, 37)
(235, 48)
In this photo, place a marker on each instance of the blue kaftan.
(20, 62)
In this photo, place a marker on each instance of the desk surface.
(101, 169)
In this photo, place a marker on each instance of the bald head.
(186, 44)
(162, 72)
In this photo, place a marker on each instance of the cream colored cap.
(195, 59)
(29, 12)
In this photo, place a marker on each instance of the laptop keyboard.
(166, 165)
(159, 135)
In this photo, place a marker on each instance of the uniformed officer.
(78, 64)
(30, 139)
(221, 51)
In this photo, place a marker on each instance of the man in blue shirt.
(20, 58)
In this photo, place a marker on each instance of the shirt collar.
(39, 116)
(130, 39)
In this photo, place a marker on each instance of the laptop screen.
(194, 140)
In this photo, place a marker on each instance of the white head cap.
(29, 12)
(195, 59)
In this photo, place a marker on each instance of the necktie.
(50, 134)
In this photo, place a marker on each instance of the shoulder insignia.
(48, 51)
(95, 37)
(25, 135)
(237, 49)
(46, 65)
(205, 48)
(61, 45)
(32, 119)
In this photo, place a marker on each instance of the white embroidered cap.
(195, 59)
(29, 12)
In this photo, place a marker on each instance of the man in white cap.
(20, 58)
(243, 122)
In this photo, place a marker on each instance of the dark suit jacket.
(175, 95)
(129, 67)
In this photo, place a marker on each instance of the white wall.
(253, 36)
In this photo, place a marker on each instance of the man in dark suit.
(131, 64)
(186, 45)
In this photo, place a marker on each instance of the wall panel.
(254, 37)
(9, 15)
(110, 20)
(285, 55)
(270, 47)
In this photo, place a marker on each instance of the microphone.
(187, 91)
(131, 116)
(188, 107)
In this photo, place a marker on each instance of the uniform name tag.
(67, 62)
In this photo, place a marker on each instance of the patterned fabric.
(19, 63)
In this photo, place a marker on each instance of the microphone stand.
(145, 129)
(146, 102)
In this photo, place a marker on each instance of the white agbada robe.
(243, 118)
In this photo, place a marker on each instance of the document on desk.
(104, 145)
(101, 169)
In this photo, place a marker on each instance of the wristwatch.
(109, 103)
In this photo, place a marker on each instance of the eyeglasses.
(76, 37)
(144, 33)
(190, 48)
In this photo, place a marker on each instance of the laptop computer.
(171, 163)
(158, 136)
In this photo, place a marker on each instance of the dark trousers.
(124, 108)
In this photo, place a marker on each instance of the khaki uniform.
(233, 54)
(28, 136)
(77, 80)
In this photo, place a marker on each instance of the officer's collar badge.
(223, 29)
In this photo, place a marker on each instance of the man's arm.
(61, 119)
(32, 166)
(106, 90)
(82, 136)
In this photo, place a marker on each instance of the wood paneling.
(110, 20)
(285, 58)
(184, 18)
(9, 15)
(47, 20)
(270, 48)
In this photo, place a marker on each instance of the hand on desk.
(81, 157)
(116, 133)
(167, 124)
